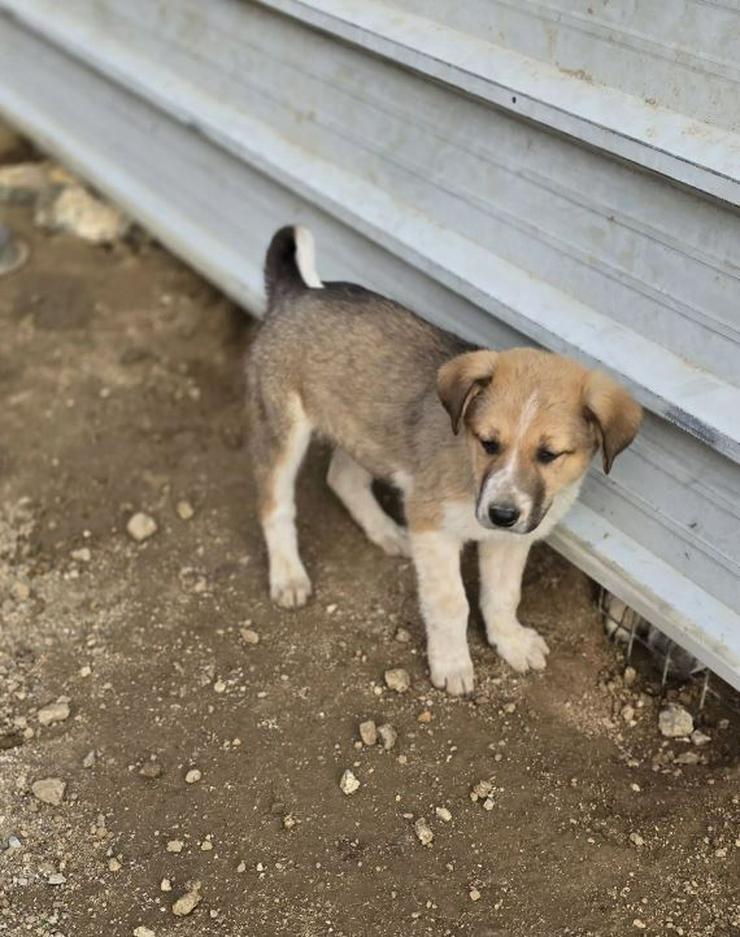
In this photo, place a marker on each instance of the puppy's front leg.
(501, 568)
(445, 610)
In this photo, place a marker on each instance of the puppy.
(483, 445)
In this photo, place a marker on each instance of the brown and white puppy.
(384, 386)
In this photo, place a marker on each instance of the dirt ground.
(121, 383)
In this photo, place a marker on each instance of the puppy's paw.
(522, 648)
(290, 591)
(454, 676)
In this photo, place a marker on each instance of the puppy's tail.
(290, 264)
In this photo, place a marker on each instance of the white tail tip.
(306, 257)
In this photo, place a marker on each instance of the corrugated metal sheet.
(474, 167)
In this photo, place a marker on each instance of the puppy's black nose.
(503, 515)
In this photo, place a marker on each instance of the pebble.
(141, 527)
(75, 210)
(348, 783)
(185, 510)
(628, 713)
(397, 679)
(424, 717)
(423, 832)
(56, 878)
(250, 636)
(175, 845)
(636, 839)
(630, 675)
(640, 925)
(675, 722)
(187, 903)
(388, 736)
(474, 894)
(368, 732)
(53, 712)
(150, 769)
(49, 790)
(83, 555)
(142, 931)
(89, 760)
(481, 791)
(402, 636)
(165, 885)
(193, 776)
(687, 758)
(443, 813)
(21, 591)
(700, 739)
(114, 864)
(509, 708)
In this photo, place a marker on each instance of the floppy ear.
(461, 379)
(614, 414)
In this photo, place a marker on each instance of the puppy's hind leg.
(352, 484)
(279, 445)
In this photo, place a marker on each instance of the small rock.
(630, 675)
(249, 636)
(242, 867)
(402, 636)
(56, 878)
(187, 903)
(49, 790)
(142, 931)
(474, 894)
(185, 510)
(489, 803)
(141, 527)
(219, 686)
(89, 760)
(206, 845)
(83, 555)
(640, 925)
(368, 733)
(53, 712)
(700, 739)
(75, 210)
(675, 722)
(481, 791)
(289, 821)
(165, 885)
(687, 758)
(21, 591)
(397, 679)
(150, 769)
(636, 839)
(193, 776)
(114, 864)
(14, 842)
(388, 736)
(424, 717)
(443, 813)
(509, 708)
(348, 783)
(423, 832)
(175, 845)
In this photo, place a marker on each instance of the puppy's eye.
(492, 446)
(546, 456)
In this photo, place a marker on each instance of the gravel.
(348, 783)
(368, 733)
(141, 527)
(49, 790)
(188, 902)
(675, 722)
(388, 736)
(423, 832)
(53, 712)
(397, 679)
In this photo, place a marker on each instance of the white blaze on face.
(500, 486)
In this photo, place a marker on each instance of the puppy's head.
(533, 421)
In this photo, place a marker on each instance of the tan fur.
(383, 386)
